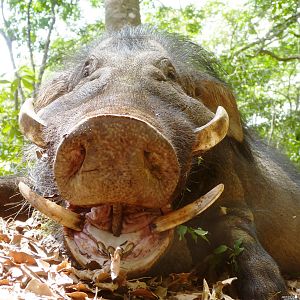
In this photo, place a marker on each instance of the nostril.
(152, 163)
(76, 159)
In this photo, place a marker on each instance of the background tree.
(257, 42)
(119, 13)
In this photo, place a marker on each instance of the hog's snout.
(116, 159)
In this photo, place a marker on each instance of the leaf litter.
(35, 266)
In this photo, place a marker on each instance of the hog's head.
(117, 132)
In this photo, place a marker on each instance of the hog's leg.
(258, 274)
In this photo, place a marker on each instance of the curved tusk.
(188, 212)
(31, 125)
(52, 210)
(213, 132)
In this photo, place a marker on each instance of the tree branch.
(288, 58)
(29, 42)
(8, 41)
(47, 43)
(273, 32)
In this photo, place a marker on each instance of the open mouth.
(119, 241)
(119, 238)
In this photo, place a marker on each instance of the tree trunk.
(119, 13)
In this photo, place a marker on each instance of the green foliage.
(187, 20)
(256, 41)
(61, 48)
(11, 140)
(225, 255)
(195, 233)
(258, 45)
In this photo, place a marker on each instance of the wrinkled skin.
(169, 83)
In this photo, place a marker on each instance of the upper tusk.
(188, 212)
(213, 132)
(52, 210)
(31, 125)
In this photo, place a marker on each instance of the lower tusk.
(188, 212)
(52, 210)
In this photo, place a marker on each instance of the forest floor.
(34, 266)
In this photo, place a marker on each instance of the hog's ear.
(214, 93)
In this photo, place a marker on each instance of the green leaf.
(181, 230)
(221, 249)
(3, 81)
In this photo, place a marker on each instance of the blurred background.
(256, 41)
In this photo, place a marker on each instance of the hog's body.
(120, 129)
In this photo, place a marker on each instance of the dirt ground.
(34, 266)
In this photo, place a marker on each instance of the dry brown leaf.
(20, 257)
(108, 286)
(77, 295)
(43, 264)
(60, 279)
(5, 282)
(39, 288)
(63, 265)
(80, 287)
(145, 293)
(16, 239)
(161, 292)
(4, 238)
(186, 296)
(136, 284)
(217, 290)
(37, 249)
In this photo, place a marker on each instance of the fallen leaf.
(136, 284)
(63, 265)
(108, 286)
(4, 238)
(144, 293)
(39, 288)
(4, 282)
(20, 257)
(80, 287)
(161, 292)
(77, 295)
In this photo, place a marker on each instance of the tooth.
(115, 263)
(52, 210)
(31, 125)
(187, 212)
(213, 132)
(117, 219)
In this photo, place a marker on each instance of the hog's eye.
(86, 69)
(168, 69)
(171, 73)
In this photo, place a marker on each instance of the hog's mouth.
(119, 238)
(122, 243)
